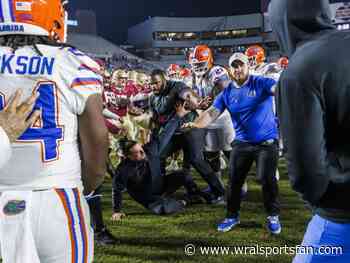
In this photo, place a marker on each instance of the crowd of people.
(151, 130)
(139, 109)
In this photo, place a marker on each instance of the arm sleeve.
(82, 79)
(267, 84)
(5, 148)
(82, 89)
(118, 185)
(165, 104)
(301, 117)
(161, 104)
(219, 102)
(110, 115)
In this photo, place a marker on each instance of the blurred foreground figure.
(313, 109)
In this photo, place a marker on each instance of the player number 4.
(45, 131)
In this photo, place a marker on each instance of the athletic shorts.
(47, 226)
(218, 139)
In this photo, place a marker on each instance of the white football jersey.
(269, 70)
(47, 154)
(203, 87)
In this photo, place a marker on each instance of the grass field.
(147, 238)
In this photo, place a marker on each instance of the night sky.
(115, 16)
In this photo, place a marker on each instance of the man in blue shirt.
(249, 99)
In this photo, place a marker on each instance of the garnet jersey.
(47, 154)
(117, 99)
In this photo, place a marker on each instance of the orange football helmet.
(201, 60)
(283, 62)
(34, 17)
(256, 55)
(173, 71)
(185, 73)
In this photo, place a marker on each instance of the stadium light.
(72, 23)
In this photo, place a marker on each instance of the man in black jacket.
(314, 112)
(141, 175)
(192, 143)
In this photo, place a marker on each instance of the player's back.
(47, 154)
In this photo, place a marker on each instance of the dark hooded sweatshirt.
(313, 102)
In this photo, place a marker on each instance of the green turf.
(147, 238)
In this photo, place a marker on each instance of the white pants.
(51, 226)
(219, 139)
(220, 134)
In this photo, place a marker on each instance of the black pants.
(175, 180)
(242, 157)
(213, 158)
(192, 143)
(95, 206)
(165, 205)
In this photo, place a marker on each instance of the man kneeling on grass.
(140, 174)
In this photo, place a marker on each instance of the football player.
(117, 99)
(259, 66)
(173, 71)
(44, 215)
(114, 104)
(186, 76)
(205, 82)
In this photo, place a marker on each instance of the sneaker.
(274, 225)
(228, 224)
(183, 202)
(244, 190)
(277, 175)
(192, 199)
(207, 190)
(104, 237)
(219, 200)
(223, 163)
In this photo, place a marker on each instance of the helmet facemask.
(200, 68)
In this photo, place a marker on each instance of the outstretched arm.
(204, 119)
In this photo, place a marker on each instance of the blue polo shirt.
(251, 109)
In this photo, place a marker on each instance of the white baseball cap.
(238, 56)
